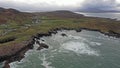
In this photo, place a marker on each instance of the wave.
(45, 63)
(79, 48)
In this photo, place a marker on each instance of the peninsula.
(18, 30)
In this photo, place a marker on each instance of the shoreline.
(20, 53)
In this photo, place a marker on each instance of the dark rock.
(53, 32)
(44, 45)
(37, 42)
(114, 34)
(41, 45)
(6, 65)
(39, 48)
(63, 34)
(44, 34)
(42, 39)
(78, 30)
(15, 52)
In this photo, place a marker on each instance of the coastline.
(19, 54)
(15, 44)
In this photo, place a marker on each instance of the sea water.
(102, 15)
(86, 49)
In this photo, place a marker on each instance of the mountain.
(8, 11)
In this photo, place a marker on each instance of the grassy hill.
(18, 28)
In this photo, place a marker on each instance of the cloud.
(50, 5)
(23, 6)
(99, 5)
(40, 5)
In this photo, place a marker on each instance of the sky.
(51, 5)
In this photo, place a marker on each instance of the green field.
(22, 28)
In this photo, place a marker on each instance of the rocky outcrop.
(11, 50)
(6, 51)
(42, 45)
(112, 33)
(63, 34)
(109, 33)
(16, 52)
(78, 30)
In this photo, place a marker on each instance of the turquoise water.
(103, 15)
(87, 49)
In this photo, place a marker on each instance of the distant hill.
(8, 11)
(11, 11)
(10, 14)
(60, 14)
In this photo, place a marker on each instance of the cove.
(85, 49)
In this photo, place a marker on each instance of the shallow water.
(103, 15)
(86, 49)
(1, 65)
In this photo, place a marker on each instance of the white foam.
(45, 63)
(85, 40)
(77, 37)
(54, 50)
(95, 43)
(79, 48)
(14, 64)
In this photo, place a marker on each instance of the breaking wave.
(80, 48)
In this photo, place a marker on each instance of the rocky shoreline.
(17, 53)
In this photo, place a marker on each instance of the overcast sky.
(50, 5)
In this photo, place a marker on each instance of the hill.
(60, 14)
(8, 15)
(18, 30)
(7, 11)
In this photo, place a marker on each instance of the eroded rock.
(63, 34)
(42, 45)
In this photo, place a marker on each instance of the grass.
(23, 32)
